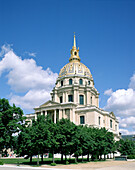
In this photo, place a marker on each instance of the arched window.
(99, 120)
(115, 127)
(61, 99)
(80, 81)
(88, 82)
(70, 98)
(91, 100)
(81, 97)
(70, 81)
(75, 53)
(62, 83)
(82, 120)
(110, 123)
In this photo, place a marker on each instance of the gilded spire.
(74, 40)
(74, 52)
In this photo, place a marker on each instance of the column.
(45, 112)
(63, 115)
(55, 116)
(60, 114)
(75, 96)
(87, 98)
(41, 112)
(35, 116)
(71, 115)
(63, 97)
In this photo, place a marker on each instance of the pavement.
(9, 167)
(107, 165)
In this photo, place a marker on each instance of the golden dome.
(75, 67)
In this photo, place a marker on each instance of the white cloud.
(33, 98)
(122, 102)
(108, 92)
(127, 122)
(24, 76)
(126, 132)
(5, 49)
(31, 54)
(132, 82)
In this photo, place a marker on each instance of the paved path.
(114, 166)
(7, 167)
(130, 166)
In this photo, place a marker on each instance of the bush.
(1, 163)
(131, 157)
(67, 162)
(53, 164)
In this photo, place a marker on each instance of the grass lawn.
(46, 161)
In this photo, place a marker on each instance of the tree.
(11, 122)
(65, 133)
(35, 139)
(126, 147)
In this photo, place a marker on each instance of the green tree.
(11, 122)
(126, 147)
(35, 139)
(65, 133)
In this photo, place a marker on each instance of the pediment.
(112, 114)
(49, 103)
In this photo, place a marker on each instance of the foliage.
(131, 157)
(11, 122)
(126, 147)
(64, 137)
(53, 164)
(1, 162)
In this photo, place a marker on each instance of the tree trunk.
(82, 158)
(75, 159)
(30, 158)
(53, 157)
(42, 157)
(113, 155)
(92, 157)
(38, 159)
(65, 158)
(104, 157)
(88, 158)
(62, 157)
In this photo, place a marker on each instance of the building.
(74, 97)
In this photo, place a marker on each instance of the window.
(115, 127)
(80, 81)
(62, 83)
(75, 53)
(99, 120)
(110, 123)
(61, 100)
(82, 121)
(70, 81)
(88, 82)
(70, 98)
(81, 99)
(91, 100)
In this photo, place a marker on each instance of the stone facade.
(74, 97)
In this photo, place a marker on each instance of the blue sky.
(39, 33)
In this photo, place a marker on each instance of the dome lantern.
(74, 52)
